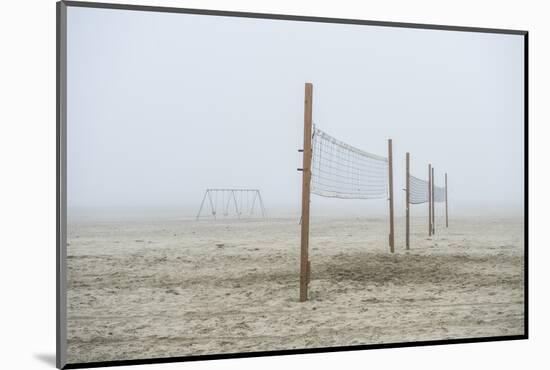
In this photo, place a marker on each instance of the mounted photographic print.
(237, 184)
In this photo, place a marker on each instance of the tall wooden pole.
(407, 201)
(433, 202)
(446, 204)
(306, 181)
(390, 180)
(429, 199)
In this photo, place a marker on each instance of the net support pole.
(429, 199)
(306, 182)
(446, 204)
(433, 202)
(407, 202)
(390, 181)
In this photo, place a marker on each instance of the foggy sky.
(162, 106)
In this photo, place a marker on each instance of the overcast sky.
(162, 106)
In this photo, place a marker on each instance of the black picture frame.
(61, 168)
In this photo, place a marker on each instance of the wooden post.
(429, 199)
(446, 204)
(433, 202)
(306, 181)
(407, 201)
(390, 180)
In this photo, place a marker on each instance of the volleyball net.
(419, 190)
(439, 194)
(334, 169)
(340, 170)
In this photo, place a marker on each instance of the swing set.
(231, 202)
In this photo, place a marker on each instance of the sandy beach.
(173, 287)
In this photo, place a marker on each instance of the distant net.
(419, 190)
(340, 170)
(439, 194)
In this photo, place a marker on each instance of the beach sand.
(170, 287)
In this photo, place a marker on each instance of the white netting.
(439, 194)
(419, 191)
(342, 171)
